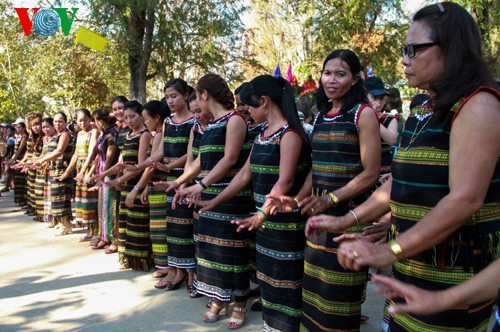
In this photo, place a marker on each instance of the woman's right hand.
(325, 224)
(61, 177)
(281, 203)
(96, 178)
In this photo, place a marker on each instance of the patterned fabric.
(280, 244)
(198, 132)
(332, 295)
(33, 150)
(85, 200)
(157, 217)
(20, 195)
(386, 161)
(420, 180)
(107, 195)
(222, 268)
(181, 248)
(60, 191)
(42, 186)
(133, 227)
(122, 137)
(252, 133)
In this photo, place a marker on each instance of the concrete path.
(50, 283)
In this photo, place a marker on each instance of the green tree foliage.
(50, 74)
(304, 32)
(178, 38)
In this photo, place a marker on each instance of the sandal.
(236, 323)
(100, 245)
(162, 283)
(85, 238)
(112, 249)
(171, 286)
(193, 293)
(210, 317)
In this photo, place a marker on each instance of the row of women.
(197, 192)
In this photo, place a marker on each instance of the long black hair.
(459, 39)
(357, 93)
(280, 92)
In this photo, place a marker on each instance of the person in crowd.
(107, 156)
(59, 153)
(134, 245)
(254, 129)
(193, 152)
(278, 164)
(20, 148)
(117, 104)
(222, 154)
(445, 229)
(377, 97)
(42, 180)
(10, 141)
(154, 113)
(83, 157)
(345, 168)
(307, 127)
(34, 148)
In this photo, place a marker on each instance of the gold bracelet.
(396, 249)
(335, 199)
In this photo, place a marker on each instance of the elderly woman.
(445, 191)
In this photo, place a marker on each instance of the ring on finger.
(355, 254)
(312, 210)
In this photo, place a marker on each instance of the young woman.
(59, 153)
(345, 168)
(85, 200)
(42, 181)
(278, 165)
(153, 113)
(193, 151)
(107, 156)
(134, 245)
(34, 148)
(222, 154)
(180, 242)
(20, 148)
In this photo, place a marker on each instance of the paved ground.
(50, 283)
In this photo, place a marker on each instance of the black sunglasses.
(410, 50)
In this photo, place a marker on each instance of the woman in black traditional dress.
(60, 151)
(222, 267)
(134, 245)
(279, 163)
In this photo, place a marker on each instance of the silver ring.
(355, 254)
(312, 210)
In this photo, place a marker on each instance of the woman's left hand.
(323, 224)
(129, 200)
(313, 205)
(113, 183)
(354, 255)
(250, 223)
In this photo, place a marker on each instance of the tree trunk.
(140, 29)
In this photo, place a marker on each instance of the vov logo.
(46, 22)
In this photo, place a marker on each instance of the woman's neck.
(137, 130)
(182, 115)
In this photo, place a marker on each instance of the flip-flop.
(110, 251)
(162, 283)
